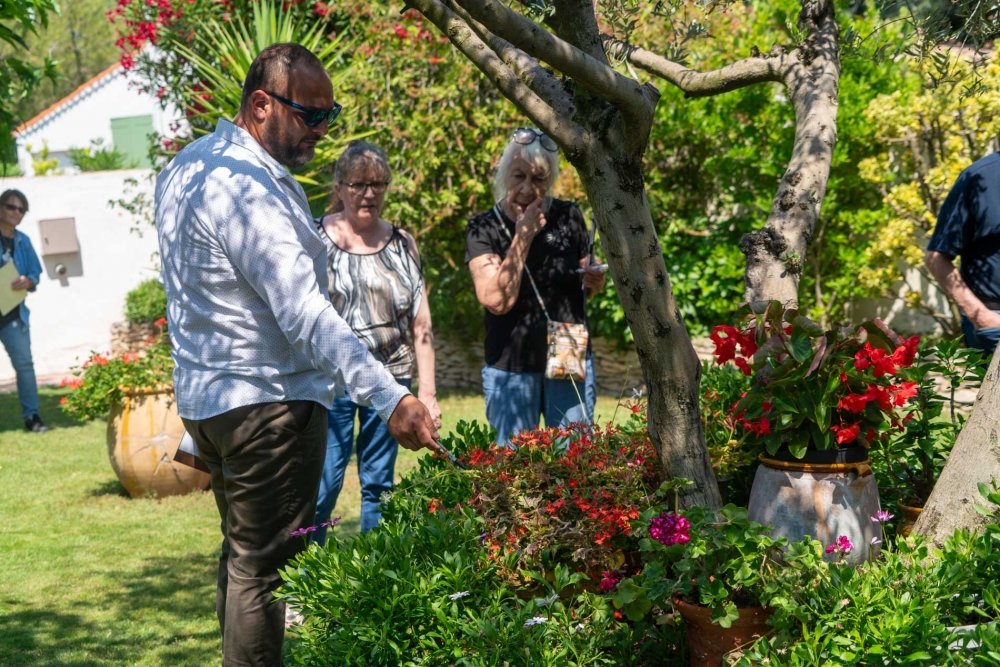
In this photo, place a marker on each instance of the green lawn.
(89, 576)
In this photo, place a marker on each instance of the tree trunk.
(670, 366)
(776, 252)
(975, 459)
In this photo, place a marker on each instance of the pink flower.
(882, 516)
(842, 546)
(669, 529)
(608, 582)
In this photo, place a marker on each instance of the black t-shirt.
(517, 341)
(969, 226)
(7, 248)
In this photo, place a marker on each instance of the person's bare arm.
(948, 277)
(498, 281)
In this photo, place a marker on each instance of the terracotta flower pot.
(144, 431)
(910, 516)
(709, 643)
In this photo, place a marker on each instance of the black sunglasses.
(11, 207)
(310, 116)
(527, 135)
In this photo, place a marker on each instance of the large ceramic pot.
(144, 431)
(709, 643)
(909, 518)
(825, 495)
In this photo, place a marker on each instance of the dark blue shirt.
(968, 226)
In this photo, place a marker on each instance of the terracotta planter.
(909, 518)
(709, 643)
(830, 494)
(143, 434)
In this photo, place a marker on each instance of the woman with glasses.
(530, 258)
(377, 287)
(15, 246)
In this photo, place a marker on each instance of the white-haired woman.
(530, 236)
(377, 286)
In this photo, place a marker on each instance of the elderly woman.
(529, 237)
(377, 287)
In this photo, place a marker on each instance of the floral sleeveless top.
(378, 296)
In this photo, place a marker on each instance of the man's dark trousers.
(266, 461)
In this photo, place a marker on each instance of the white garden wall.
(72, 316)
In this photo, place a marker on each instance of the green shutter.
(130, 136)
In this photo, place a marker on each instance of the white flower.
(636, 393)
(578, 626)
(456, 596)
(537, 620)
(545, 602)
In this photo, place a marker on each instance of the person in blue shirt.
(15, 334)
(968, 226)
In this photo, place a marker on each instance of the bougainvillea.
(565, 496)
(811, 387)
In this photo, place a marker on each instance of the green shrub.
(424, 589)
(97, 158)
(147, 303)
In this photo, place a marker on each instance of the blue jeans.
(376, 461)
(16, 339)
(515, 402)
(981, 339)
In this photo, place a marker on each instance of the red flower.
(765, 406)
(433, 506)
(880, 395)
(725, 345)
(905, 353)
(902, 393)
(160, 322)
(62, 401)
(847, 434)
(854, 403)
(742, 365)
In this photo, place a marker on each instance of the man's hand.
(411, 425)
(23, 282)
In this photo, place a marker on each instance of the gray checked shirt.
(245, 274)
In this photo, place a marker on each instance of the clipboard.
(9, 298)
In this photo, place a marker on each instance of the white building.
(72, 314)
(108, 107)
(82, 292)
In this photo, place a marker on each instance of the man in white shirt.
(260, 352)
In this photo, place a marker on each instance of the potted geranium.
(818, 401)
(134, 391)
(718, 570)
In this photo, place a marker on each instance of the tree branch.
(530, 37)
(756, 69)
(567, 134)
(542, 81)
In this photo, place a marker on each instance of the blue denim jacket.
(27, 265)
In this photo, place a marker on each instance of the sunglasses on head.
(310, 116)
(526, 136)
(12, 207)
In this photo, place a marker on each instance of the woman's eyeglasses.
(377, 187)
(11, 207)
(311, 116)
(526, 136)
